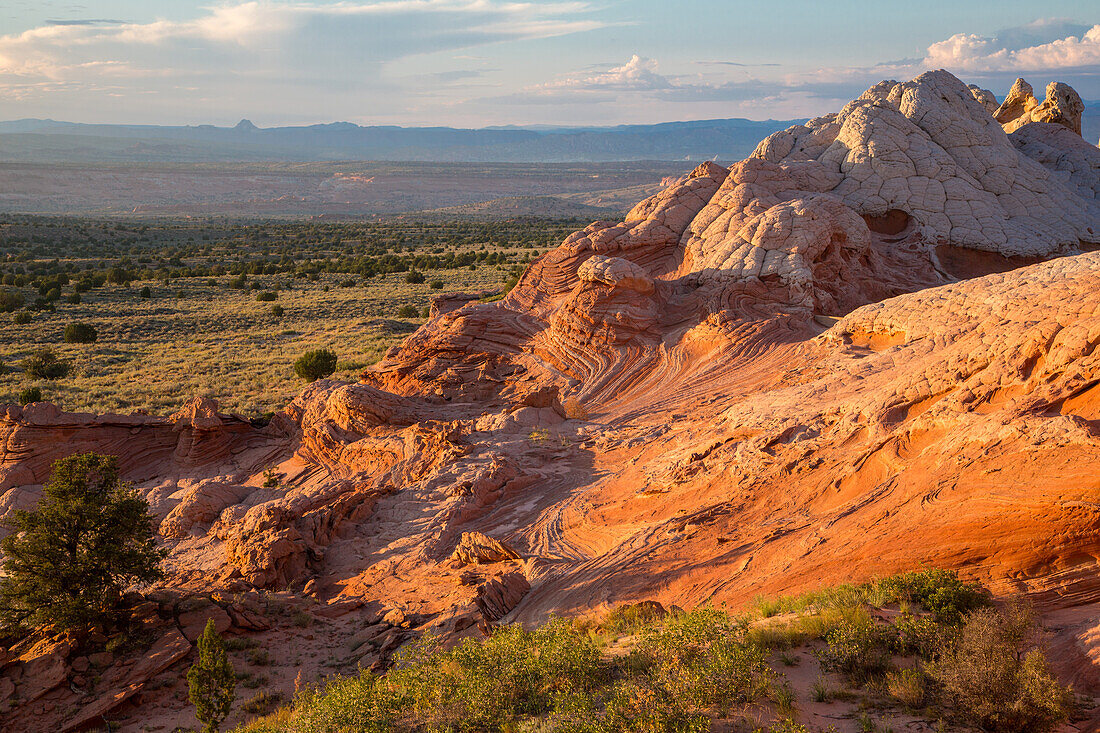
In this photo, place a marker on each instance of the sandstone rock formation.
(1062, 106)
(871, 346)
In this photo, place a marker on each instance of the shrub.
(44, 364)
(476, 686)
(262, 703)
(277, 311)
(907, 686)
(436, 284)
(29, 395)
(414, 277)
(703, 658)
(315, 364)
(22, 318)
(68, 561)
(633, 617)
(80, 333)
(266, 296)
(73, 299)
(939, 591)
(10, 300)
(211, 685)
(997, 678)
(146, 293)
(858, 648)
(408, 311)
(918, 635)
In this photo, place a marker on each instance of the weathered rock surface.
(1062, 106)
(872, 346)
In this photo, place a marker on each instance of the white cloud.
(244, 34)
(968, 52)
(639, 74)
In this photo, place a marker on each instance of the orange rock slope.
(870, 347)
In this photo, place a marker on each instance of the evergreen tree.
(210, 681)
(67, 562)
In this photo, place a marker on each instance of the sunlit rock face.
(867, 348)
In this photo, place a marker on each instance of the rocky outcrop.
(1062, 106)
(475, 548)
(872, 346)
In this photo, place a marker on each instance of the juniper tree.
(210, 681)
(67, 561)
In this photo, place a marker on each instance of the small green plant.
(29, 395)
(271, 479)
(80, 333)
(266, 297)
(315, 364)
(22, 318)
(414, 277)
(277, 311)
(210, 682)
(819, 691)
(539, 435)
(436, 284)
(145, 293)
(408, 311)
(73, 299)
(45, 364)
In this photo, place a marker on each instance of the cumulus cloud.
(639, 74)
(1018, 49)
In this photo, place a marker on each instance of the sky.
(476, 63)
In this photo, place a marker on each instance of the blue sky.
(472, 63)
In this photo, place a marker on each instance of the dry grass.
(154, 354)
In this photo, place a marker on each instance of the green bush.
(44, 364)
(145, 293)
(10, 300)
(918, 635)
(315, 364)
(476, 686)
(277, 311)
(997, 678)
(939, 591)
(436, 284)
(29, 395)
(858, 648)
(80, 333)
(73, 299)
(414, 277)
(408, 311)
(266, 296)
(22, 318)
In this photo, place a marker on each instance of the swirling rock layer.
(868, 348)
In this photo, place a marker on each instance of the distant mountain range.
(49, 141)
